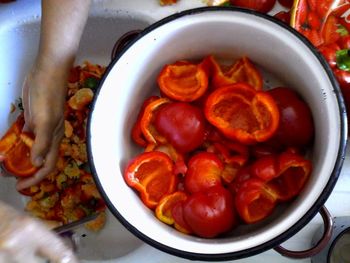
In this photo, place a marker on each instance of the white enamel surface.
(223, 34)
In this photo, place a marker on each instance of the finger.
(46, 140)
(42, 144)
(48, 166)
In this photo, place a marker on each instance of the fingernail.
(38, 161)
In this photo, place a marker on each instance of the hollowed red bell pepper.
(183, 80)
(286, 174)
(242, 113)
(152, 175)
(294, 171)
(243, 70)
(254, 200)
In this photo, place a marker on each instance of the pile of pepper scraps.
(218, 149)
(68, 193)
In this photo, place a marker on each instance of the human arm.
(44, 88)
(23, 239)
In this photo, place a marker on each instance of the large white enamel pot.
(227, 33)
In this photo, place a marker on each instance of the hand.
(23, 238)
(43, 98)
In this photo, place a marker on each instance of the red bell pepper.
(164, 208)
(243, 70)
(147, 121)
(178, 158)
(136, 132)
(152, 175)
(294, 171)
(254, 200)
(242, 113)
(204, 171)
(182, 125)
(177, 212)
(286, 174)
(211, 212)
(183, 80)
(233, 155)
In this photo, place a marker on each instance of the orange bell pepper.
(152, 175)
(183, 80)
(242, 113)
(243, 70)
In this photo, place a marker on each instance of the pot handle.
(321, 244)
(123, 41)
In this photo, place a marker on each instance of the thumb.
(42, 144)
